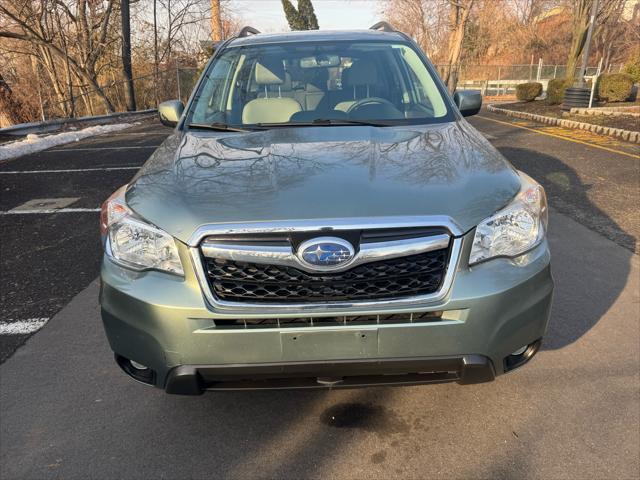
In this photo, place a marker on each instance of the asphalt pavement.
(66, 410)
(48, 258)
(596, 185)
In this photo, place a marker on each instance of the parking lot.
(48, 258)
(67, 411)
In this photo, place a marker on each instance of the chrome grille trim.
(324, 225)
(230, 309)
(284, 255)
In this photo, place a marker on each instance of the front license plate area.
(329, 344)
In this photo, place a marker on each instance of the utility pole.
(587, 45)
(126, 56)
(155, 50)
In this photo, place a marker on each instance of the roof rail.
(246, 31)
(383, 26)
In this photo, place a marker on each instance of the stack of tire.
(575, 97)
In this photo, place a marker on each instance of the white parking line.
(95, 149)
(22, 327)
(50, 210)
(69, 170)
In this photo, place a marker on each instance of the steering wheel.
(370, 101)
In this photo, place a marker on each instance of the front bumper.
(164, 322)
(194, 379)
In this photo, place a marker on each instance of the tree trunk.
(458, 17)
(126, 56)
(84, 96)
(50, 67)
(169, 30)
(72, 101)
(91, 78)
(216, 21)
(580, 26)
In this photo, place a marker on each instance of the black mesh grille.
(298, 322)
(395, 278)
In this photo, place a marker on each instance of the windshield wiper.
(337, 121)
(217, 126)
(320, 122)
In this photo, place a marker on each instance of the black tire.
(575, 97)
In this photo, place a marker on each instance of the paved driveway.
(573, 412)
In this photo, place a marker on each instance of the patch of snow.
(22, 327)
(35, 143)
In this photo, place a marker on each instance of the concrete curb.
(627, 135)
(610, 111)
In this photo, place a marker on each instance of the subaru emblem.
(325, 253)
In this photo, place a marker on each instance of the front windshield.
(297, 83)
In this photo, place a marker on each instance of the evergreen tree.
(293, 16)
(303, 18)
(305, 8)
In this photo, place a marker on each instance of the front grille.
(420, 274)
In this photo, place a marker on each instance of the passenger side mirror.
(170, 112)
(468, 101)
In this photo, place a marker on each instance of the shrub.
(527, 92)
(555, 90)
(614, 87)
(633, 68)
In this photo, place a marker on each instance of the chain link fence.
(502, 79)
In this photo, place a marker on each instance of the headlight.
(515, 229)
(134, 243)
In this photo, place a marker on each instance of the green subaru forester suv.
(323, 216)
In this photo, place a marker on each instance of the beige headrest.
(269, 110)
(270, 71)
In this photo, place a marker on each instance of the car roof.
(317, 36)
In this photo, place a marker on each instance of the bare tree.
(433, 23)
(619, 35)
(423, 20)
(30, 21)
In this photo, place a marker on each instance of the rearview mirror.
(170, 112)
(468, 101)
(320, 61)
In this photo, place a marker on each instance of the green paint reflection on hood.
(202, 177)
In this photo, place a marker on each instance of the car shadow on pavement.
(295, 434)
(238, 434)
(587, 280)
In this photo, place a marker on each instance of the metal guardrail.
(58, 123)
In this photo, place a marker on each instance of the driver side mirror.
(468, 101)
(170, 112)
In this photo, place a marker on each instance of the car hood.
(306, 173)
